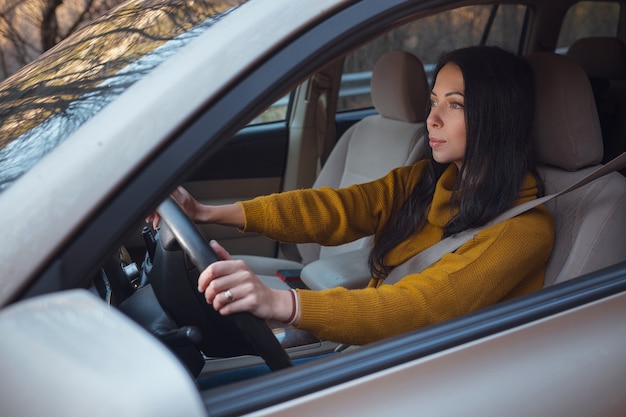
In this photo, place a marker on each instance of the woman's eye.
(456, 105)
(433, 103)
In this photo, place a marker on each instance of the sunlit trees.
(30, 27)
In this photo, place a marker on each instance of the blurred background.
(30, 27)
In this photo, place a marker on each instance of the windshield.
(48, 100)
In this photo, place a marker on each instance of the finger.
(179, 194)
(205, 278)
(223, 301)
(233, 300)
(154, 219)
(219, 276)
(223, 295)
(222, 276)
(220, 251)
(244, 299)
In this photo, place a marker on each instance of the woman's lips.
(435, 143)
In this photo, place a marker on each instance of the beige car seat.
(604, 61)
(590, 222)
(370, 148)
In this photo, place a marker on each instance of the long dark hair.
(499, 109)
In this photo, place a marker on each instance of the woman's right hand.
(230, 287)
(228, 214)
(187, 203)
(190, 205)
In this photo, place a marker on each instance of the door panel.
(257, 151)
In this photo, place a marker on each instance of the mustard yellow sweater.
(501, 262)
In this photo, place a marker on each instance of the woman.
(479, 164)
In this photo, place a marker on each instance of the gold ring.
(229, 296)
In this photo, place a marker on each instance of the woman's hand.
(228, 214)
(230, 286)
(187, 203)
(192, 207)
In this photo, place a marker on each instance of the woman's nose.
(433, 119)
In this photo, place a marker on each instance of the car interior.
(399, 90)
(579, 125)
(112, 311)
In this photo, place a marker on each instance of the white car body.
(63, 352)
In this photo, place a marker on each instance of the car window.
(275, 113)
(428, 38)
(586, 19)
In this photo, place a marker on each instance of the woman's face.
(446, 121)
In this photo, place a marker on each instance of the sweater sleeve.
(329, 216)
(501, 262)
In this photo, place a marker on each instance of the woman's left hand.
(230, 286)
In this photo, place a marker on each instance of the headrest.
(566, 130)
(399, 87)
(601, 57)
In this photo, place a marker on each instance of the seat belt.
(429, 256)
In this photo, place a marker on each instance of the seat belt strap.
(429, 256)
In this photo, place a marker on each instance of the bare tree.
(30, 27)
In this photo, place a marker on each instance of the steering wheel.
(223, 336)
